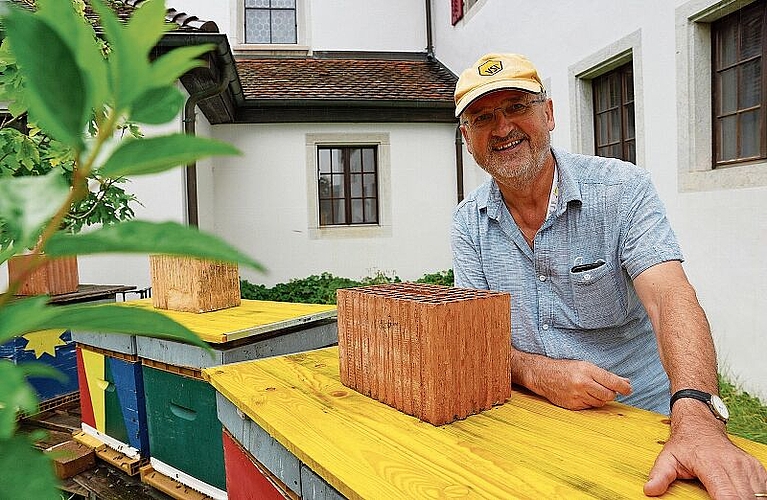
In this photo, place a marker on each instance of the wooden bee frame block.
(437, 353)
(54, 277)
(193, 285)
(71, 458)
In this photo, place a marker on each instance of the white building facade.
(265, 202)
(719, 214)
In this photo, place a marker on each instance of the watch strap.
(695, 394)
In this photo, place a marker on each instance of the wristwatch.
(714, 402)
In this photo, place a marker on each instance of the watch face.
(720, 407)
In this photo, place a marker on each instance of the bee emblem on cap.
(490, 67)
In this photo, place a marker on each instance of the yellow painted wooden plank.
(95, 371)
(252, 317)
(526, 448)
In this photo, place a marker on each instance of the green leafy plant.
(27, 150)
(68, 87)
(444, 278)
(321, 289)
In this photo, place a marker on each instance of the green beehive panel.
(184, 430)
(115, 424)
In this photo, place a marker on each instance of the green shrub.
(322, 289)
(439, 278)
(312, 289)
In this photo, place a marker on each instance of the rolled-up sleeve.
(467, 254)
(646, 235)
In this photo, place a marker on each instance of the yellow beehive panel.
(525, 448)
(251, 317)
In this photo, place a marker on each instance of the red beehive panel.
(435, 352)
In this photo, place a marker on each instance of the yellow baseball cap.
(495, 72)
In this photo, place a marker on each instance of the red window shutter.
(456, 10)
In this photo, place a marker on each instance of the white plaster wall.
(261, 206)
(161, 198)
(377, 25)
(723, 232)
(205, 180)
(372, 25)
(218, 11)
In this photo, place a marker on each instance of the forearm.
(682, 330)
(530, 370)
(568, 383)
(689, 357)
(685, 345)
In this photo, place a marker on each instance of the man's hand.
(699, 448)
(568, 383)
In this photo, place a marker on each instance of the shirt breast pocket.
(598, 300)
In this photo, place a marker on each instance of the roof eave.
(345, 111)
(219, 65)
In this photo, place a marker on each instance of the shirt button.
(545, 326)
(542, 277)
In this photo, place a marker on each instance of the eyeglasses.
(509, 109)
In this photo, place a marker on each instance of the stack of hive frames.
(434, 352)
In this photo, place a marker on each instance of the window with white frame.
(348, 178)
(348, 184)
(271, 22)
(721, 94)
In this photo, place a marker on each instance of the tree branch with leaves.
(68, 86)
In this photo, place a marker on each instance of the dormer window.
(270, 22)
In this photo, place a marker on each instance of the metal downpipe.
(189, 120)
(459, 163)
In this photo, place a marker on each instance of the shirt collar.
(569, 188)
(492, 200)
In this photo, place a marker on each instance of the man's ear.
(550, 114)
(466, 139)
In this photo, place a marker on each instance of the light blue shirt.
(608, 212)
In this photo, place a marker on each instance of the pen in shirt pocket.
(587, 267)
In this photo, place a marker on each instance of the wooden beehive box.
(434, 352)
(54, 277)
(193, 285)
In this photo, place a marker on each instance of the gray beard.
(517, 177)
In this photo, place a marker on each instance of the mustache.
(514, 135)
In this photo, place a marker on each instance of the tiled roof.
(346, 79)
(125, 8)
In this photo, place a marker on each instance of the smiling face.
(507, 132)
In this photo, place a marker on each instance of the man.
(601, 307)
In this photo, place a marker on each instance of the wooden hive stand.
(434, 352)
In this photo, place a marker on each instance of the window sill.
(355, 231)
(746, 175)
(258, 49)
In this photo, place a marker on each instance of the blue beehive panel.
(129, 384)
(51, 347)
